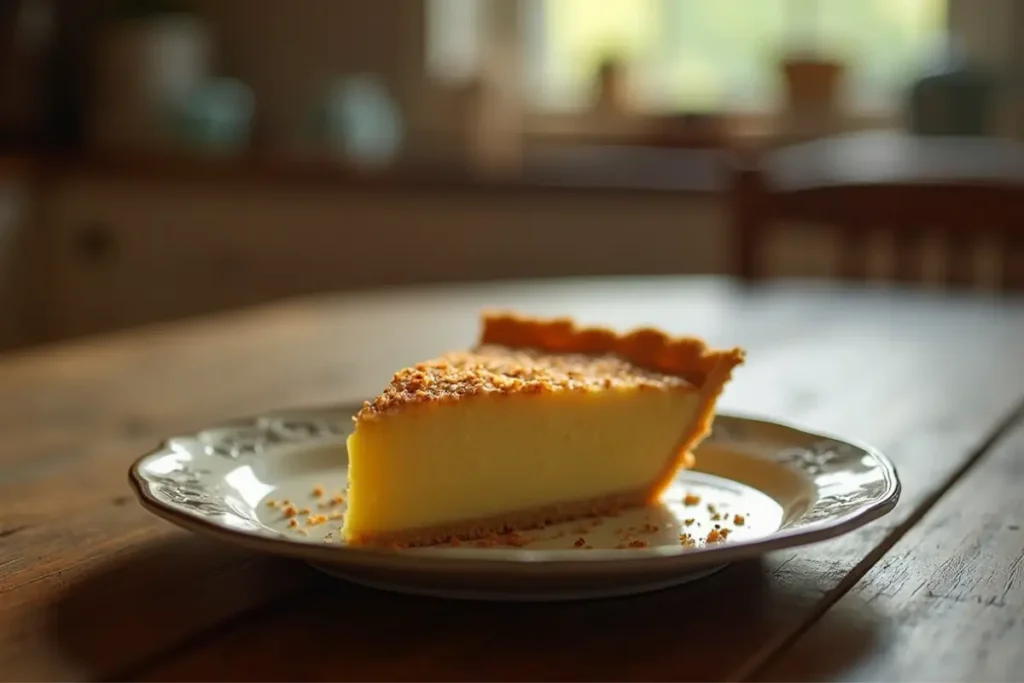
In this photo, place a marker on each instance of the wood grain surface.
(92, 587)
(945, 603)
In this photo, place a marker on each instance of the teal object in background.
(216, 116)
(361, 122)
(956, 98)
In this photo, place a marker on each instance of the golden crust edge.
(688, 357)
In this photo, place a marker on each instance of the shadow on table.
(141, 603)
(708, 630)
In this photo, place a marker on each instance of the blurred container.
(954, 98)
(812, 82)
(145, 67)
(361, 121)
(216, 116)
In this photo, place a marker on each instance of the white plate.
(791, 487)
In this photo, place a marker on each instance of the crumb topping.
(499, 370)
(525, 355)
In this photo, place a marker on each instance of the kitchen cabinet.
(123, 252)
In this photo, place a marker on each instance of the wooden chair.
(956, 190)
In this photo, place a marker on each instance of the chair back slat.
(959, 247)
(854, 252)
(916, 199)
(907, 261)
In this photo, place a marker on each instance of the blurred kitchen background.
(168, 158)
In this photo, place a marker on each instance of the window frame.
(988, 32)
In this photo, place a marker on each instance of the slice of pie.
(542, 422)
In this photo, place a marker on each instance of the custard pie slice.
(542, 422)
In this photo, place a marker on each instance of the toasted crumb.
(724, 533)
(286, 502)
(303, 532)
(271, 503)
(518, 356)
(716, 517)
(337, 499)
(687, 540)
(318, 491)
(712, 508)
(315, 520)
(305, 511)
(739, 520)
(290, 511)
(714, 536)
(580, 542)
(517, 540)
(293, 522)
(336, 514)
(689, 522)
(691, 499)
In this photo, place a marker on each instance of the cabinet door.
(132, 252)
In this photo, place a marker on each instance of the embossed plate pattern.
(768, 485)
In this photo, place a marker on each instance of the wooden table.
(93, 587)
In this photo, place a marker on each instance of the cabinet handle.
(95, 243)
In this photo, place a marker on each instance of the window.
(723, 54)
(695, 55)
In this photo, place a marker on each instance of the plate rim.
(520, 560)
